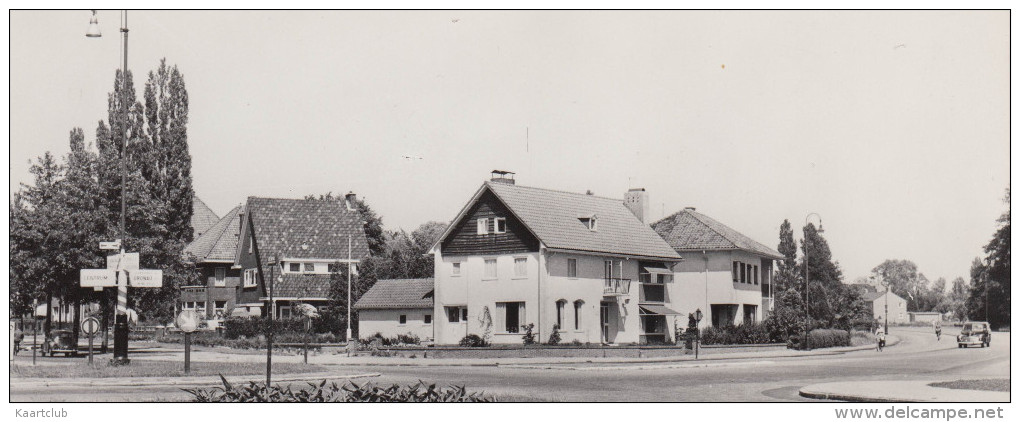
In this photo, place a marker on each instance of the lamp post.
(697, 344)
(807, 282)
(885, 283)
(120, 333)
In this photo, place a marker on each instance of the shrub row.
(377, 340)
(237, 327)
(751, 333)
(822, 338)
(334, 393)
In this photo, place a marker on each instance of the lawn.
(147, 368)
(983, 385)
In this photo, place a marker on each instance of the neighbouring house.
(725, 274)
(202, 217)
(929, 317)
(218, 289)
(394, 307)
(516, 256)
(297, 246)
(897, 306)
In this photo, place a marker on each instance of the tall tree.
(40, 235)
(787, 276)
(958, 298)
(991, 280)
(169, 170)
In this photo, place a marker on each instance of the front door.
(604, 321)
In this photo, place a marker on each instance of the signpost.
(115, 245)
(90, 326)
(146, 278)
(697, 344)
(187, 321)
(130, 261)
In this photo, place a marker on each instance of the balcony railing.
(616, 286)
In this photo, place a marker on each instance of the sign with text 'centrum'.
(146, 278)
(130, 262)
(98, 278)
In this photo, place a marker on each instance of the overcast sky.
(893, 126)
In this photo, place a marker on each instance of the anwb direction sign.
(146, 278)
(98, 278)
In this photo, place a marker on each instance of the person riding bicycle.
(938, 330)
(880, 334)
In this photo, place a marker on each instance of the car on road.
(60, 341)
(974, 333)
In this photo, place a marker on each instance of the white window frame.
(250, 277)
(290, 267)
(218, 280)
(288, 309)
(404, 317)
(482, 225)
(572, 262)
(304, 267)
(219, 309)
(522, 317)
(495, 225)
(495, 269)
(518, 275)
(456, 269)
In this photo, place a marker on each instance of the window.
(295, 267)
(483, 226)
(220, 307)
(251, 246)
(560, 308)
(428, 319)
(195, 306)
(571, 267)
(512, 314)
(578, 304)
(403, 320)
(285, 312)
(520, 267)
(490, 268)
(220, 279)
(500, 225)
(332, 268)
(456, 313)
(756, 275)
(736, 271)
(592, 223)
(250, 277)
(309, 267)
(456, 269)
(743, 272)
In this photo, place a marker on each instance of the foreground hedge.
(334, 393)
(823, 338)
(752, 333)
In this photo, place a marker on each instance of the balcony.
(616, 287)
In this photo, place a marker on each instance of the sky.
(893, 126)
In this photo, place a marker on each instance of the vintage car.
(974, 333)
(60, 341)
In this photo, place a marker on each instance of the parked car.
(974, 333)
(60, 341)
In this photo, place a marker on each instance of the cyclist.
(880, 334)
(938, 330)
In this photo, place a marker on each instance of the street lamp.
(120, 333)
(885, 283)
(807, 282)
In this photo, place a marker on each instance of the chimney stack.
(349, 200)
(637, 201)
(503, 176)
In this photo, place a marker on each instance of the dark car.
(60, 341)
(974, 333)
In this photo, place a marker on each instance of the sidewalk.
(898, 391)
(179, 381)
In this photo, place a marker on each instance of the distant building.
(929, 317)
(295, 244)
(218, 290)
(725, 274)
(202, 217)
(897, 307)
(393, 307)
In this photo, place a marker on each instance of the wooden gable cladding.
(465, 240)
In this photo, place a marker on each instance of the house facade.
(396, 307)
(725, 274)
(296, 246)
(588, 265)
(216, 294)
(897, 306)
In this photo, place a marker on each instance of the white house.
(897, 306)
(725, 274)
(393, 307)
(586, 264)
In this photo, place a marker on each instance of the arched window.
(578, 306)
(560, 309)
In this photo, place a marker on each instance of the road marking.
(640, 367)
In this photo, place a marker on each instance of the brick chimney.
(503, 176)
(636, 200)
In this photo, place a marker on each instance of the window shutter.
(498, 322)
(483, 226)
(521, 316)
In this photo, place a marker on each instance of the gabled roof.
(553, 217)
(219, 242)
(689, 231)
(306, 228)
(872, 296)
(413, 293)
(202, 217)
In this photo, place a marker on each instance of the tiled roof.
(398, 294)
(202, 217)
(553, 216)
(688, 231)
(303, 228)
(219, 242)
(871, 296)
(302, 285)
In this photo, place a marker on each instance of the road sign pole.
(90, 350)
(187, 353)
(120, 324)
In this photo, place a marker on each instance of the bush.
(554, 338)
(529, 334)
(473, 340)
(751, 333)
(822, 338)
(860, 338)
(335, 393)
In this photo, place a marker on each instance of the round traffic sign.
(90, 326)
(187, 320)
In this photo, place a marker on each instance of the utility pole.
(269, 333)
(350, 269)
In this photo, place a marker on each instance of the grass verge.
(982, 385)
(148, 368)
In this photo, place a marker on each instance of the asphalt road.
(917, 356)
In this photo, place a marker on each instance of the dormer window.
(483, 226)
(591, 222)
(499, 225)
(295, 267)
